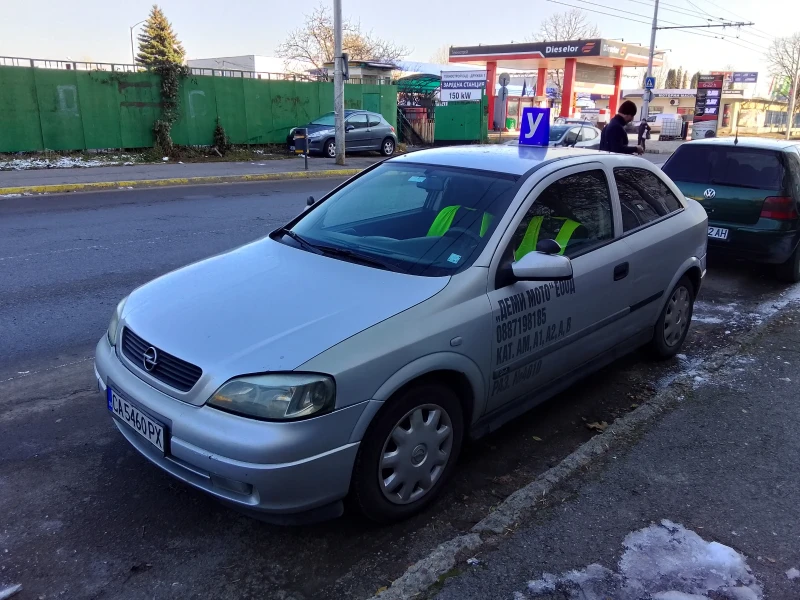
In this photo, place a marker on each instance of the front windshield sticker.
(454, 258)
(416, 179)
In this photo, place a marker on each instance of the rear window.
(737, 167)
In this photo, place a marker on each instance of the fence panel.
(139, 108)
(99, 105)
(198, 112)
(258, 111)
(59, 109)
(283, 101)
(231, 107)
(19, 111)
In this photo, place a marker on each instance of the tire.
(330, 148)
(790, 270)
(677, 312)
(405, 495)
(387, 147)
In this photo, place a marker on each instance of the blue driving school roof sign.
(535, 127)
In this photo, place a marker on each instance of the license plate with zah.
(718, 233)
(132, 416)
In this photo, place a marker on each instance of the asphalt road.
(84, 516)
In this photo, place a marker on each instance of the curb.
(419, 577)
(63, 188)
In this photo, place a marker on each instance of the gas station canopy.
(553, 55)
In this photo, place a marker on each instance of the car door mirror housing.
(548, 246)
(538, 266)
(350, 128)
(310, 201)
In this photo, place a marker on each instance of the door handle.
(621, 271)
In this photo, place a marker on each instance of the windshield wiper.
(300, 240)
(355, 257)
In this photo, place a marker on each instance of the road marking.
(22, 375)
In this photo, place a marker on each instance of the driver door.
(544, 330)
(357, 132)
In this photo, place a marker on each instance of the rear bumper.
(757, 245)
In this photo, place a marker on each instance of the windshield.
(417, 219)
(738, 167)
(557, 132)
(327, 119)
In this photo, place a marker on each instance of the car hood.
(266, 307)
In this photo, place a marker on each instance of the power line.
(738, 16)
(627, 12)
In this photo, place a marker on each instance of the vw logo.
(150, 359)
(709, 193)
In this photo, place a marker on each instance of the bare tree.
(783, 58)
(564, 26)
(312, 44)
(441, 56)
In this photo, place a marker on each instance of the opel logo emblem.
(709, 193)
(418, 455)
(150, 359)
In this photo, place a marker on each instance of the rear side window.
(643, 197)
(374, 120)
(737, 167)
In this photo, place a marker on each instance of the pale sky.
(97, 30)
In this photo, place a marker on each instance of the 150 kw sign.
(459, 86)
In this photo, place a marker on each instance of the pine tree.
(695, 79)
(685, 81)
(679, 77)
(158, 44)
(670, 82)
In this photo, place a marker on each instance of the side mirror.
(537, 266)
(548, 246)
(350, 128)
(310, 201)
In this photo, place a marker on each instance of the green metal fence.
(77, 110)
(461, 122)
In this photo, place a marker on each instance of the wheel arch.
(456, 371)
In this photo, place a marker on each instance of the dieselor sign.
(568, 49)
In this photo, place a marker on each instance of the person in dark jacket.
(614, 138)
(644, 133)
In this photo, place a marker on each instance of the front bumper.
(754, 243)
(256, 466)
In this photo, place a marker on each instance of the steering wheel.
(464, 230)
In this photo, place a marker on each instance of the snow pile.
(662, 562)
(64, 162)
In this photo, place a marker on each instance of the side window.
(643, 197)
(588, 135)
(572, 136)
(793, 164)
(358, 121)
(574, 211)
(374, 120)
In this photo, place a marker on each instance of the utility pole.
(648, 93)
(338, 81)
(133, 52)
(792, 99)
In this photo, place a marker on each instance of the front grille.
(169, 369)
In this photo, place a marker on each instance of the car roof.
(746, 142)
(498, 158)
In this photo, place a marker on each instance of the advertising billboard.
(707, 105)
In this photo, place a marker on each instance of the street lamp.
(133, 53)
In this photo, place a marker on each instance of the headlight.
(318, 134)
(114, 325)
(281, 397)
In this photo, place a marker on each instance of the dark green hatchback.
(750, 189)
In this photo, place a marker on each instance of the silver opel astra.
(430, 299)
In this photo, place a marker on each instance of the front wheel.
(790, 270)
(387, 147)
(673, 324)
(408, 453)
(330, 149)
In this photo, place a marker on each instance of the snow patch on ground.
(65, 162)
(662, 562)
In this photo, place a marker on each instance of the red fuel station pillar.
(491, 77)
(568, 87)
(613, 103)
(541, 82)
